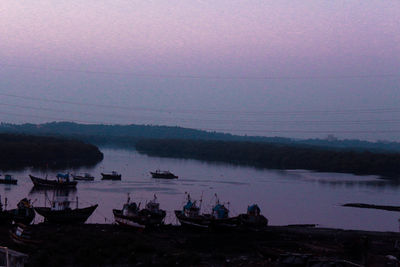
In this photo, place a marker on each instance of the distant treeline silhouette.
(277, 156)
(127, 135)
(18, 150)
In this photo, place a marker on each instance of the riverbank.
(110, 245)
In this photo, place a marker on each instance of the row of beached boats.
(189, 216)
(151, 216)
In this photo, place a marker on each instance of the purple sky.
(286, 68)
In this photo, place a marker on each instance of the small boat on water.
(84, 177)
(253, 218)
(61, 213)
(190, 215)
(62, 181)
(131, 215)
(24, 213)
(163, 175)
(111, 176)
(8, 179)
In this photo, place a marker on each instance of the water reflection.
(284, 196)
(64, 192)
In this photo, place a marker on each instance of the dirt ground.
(111, 245)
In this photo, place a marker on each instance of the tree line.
(276, 156)
(18, 150)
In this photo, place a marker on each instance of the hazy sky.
(275, 68)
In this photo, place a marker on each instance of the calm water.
(285, 197)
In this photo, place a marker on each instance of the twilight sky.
(274, 68)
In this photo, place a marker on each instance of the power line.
(208, 77)
(266, 131)
(229, 112)
(252, 122)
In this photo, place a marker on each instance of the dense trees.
(279, 156)
(26, 150)
(127, 135)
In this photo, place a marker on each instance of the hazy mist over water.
(288, 68)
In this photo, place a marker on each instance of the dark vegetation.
(127, 135)
(277, 156)
(19, 151)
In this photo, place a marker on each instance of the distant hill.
(127, 136)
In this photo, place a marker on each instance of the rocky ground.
(110, 245)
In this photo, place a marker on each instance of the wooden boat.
(163, 175)
(84, 177)
(24, 213)
(61, 213)
(190, 215)
(253, 218)
(8, 179)
(111, 176)
(61, 182)
(131, 215)
(220, 217)
(23, 235)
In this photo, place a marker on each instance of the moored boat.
(83, 177)
(190, 215)
(131, 215)
(253, 218)
(163, 175)
(8, 179)
(61, 213)
(62, 181)
(111, 176)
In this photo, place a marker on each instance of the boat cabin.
(60, 205)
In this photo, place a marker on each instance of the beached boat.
(8, 179)
(163, 175)
(83, 177)
(62, 181)
(131, 215)
(61, 213)
(190, 215)
(111, 176)
(24, 213)
(253, 218)
(23, 235)
(220, 217)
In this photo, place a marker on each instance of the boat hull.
(163, 176)
(199, 222)
(39, 182)
(22, 235)
(255, 222)
(110, 176)
(82, 178)
(141, 221)
(69, 216)
(4, 181)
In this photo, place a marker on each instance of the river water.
(285, 197)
